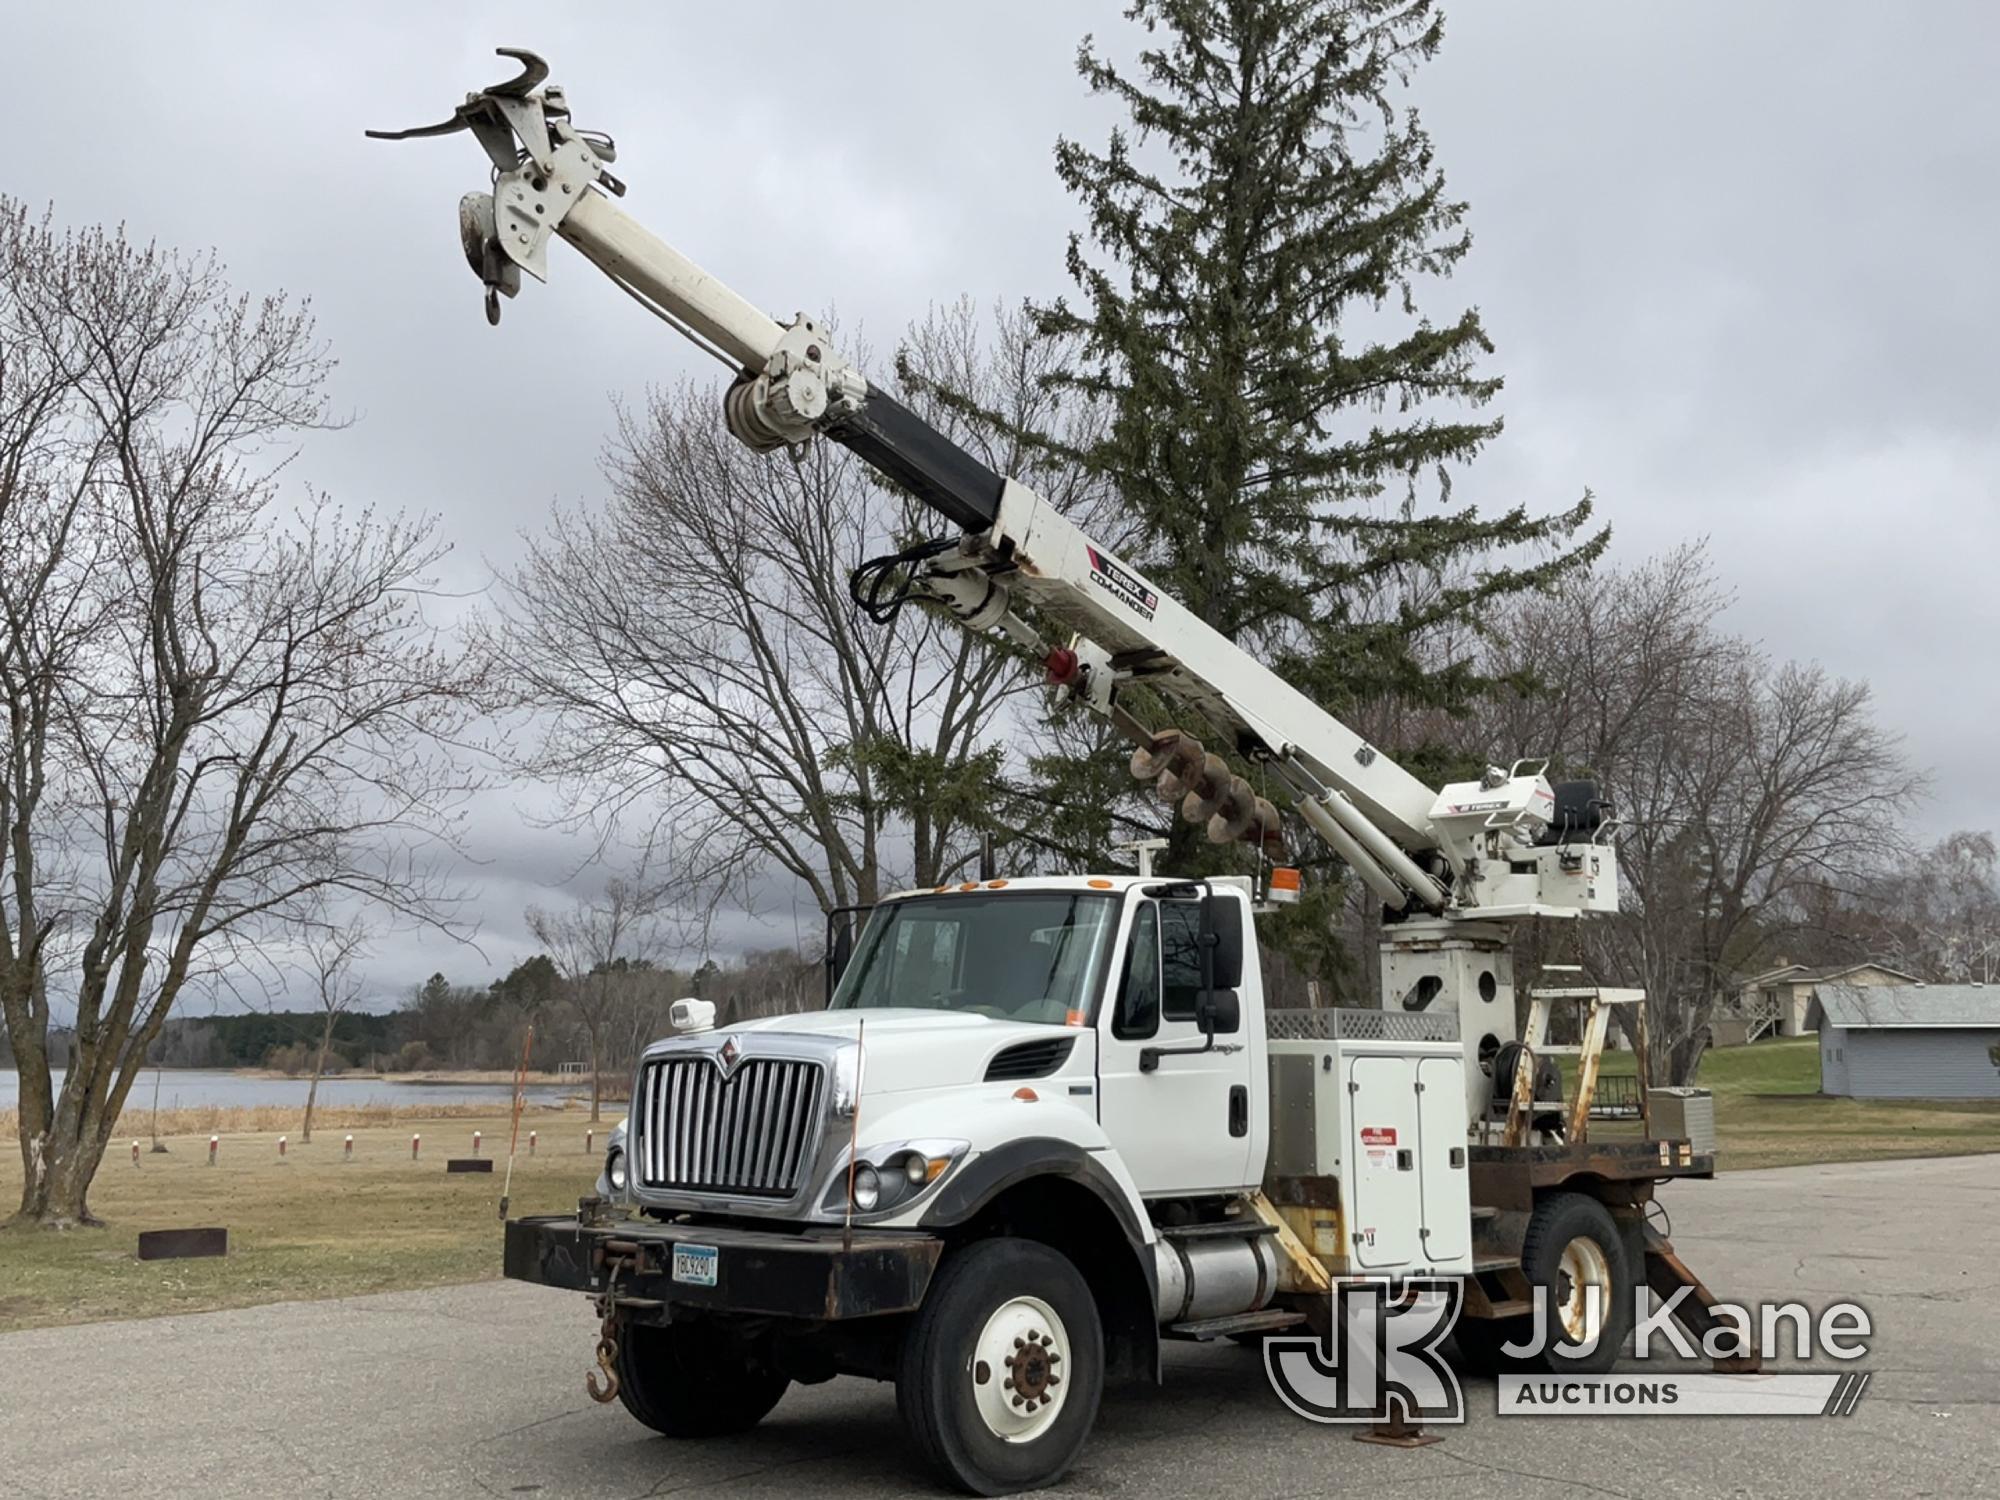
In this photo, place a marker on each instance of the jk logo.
(1380, 1359)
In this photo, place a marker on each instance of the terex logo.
(1380, 1359)
(1122, 584)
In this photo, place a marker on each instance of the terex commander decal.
(1122, 585)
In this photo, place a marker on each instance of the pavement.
(478, 1390)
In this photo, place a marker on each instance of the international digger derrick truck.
(1044, 1125)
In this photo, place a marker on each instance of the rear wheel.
(691, 1380)
(1002, 1368)
(1574, 1256)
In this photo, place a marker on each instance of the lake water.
(194, 1088)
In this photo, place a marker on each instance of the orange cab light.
(1098, 885)
(1026, 1096)
(970, 885)
(994, 885)
(1073, 1018)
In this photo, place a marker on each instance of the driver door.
(1184, 1126)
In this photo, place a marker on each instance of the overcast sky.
(1737, 261)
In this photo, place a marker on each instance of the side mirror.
(1220, 1012)
(692, 1015)
(842, 930)
(839, 954)
(1222, 922)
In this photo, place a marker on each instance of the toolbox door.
(1441, 1144)
(1382, 1145)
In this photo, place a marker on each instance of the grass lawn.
(1769, 1112)
(308, 1226)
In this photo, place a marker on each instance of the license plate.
(695, 1264)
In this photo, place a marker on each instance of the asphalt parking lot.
(479, 1391)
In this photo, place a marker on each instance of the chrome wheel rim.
(1019, 1370)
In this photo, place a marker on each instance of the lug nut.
(1020, 1343)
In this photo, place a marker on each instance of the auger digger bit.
(525, 130)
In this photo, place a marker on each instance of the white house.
(1779, 1001)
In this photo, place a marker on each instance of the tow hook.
(607, 1338)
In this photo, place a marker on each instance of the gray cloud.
(1734, 257)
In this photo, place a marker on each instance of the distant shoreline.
(434, 1077)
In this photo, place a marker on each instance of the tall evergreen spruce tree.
(1281, 420)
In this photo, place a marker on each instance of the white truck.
(1044, 1125)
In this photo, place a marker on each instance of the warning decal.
(1378, 1143)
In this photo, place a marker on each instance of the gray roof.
(1873, 1005)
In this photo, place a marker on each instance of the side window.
(1138, 1012)
(1180, 958)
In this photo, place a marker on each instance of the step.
(1204, 1329)
(1513, 1307)
(1484, 1211)
(1241, 1229)
(1481, 1264)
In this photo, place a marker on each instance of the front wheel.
(1002, 1368)
(691, 1380)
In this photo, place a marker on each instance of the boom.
(1501, 847)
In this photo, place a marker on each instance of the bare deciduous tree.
(708, 673)
(1934, 913)
(603, 951)
(330, 961)
(1740, 784)
(220, 711)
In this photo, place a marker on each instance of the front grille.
(750, 1133)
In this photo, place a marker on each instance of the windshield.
(1027, 956)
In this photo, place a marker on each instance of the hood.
(906, 1049)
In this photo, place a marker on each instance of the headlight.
(614, 1169)
(867, 1189)
(890, 1175)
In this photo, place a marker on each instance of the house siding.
(1910, 1062)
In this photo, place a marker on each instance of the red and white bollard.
(347, 1149)
(475, 1143)
(531, 1143)
(281, 1148)
(415, 1141)
(213, 1142)
(135, 1155)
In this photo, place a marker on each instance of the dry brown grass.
(310, 1224)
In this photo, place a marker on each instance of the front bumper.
(817, 1275)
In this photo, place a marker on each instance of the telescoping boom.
(1505, 846)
